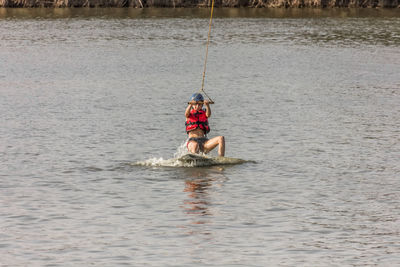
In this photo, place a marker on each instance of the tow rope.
(205, 61)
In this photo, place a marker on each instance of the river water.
(310, 97)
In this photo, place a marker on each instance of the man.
(197, 127)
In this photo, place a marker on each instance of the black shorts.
(199, 140)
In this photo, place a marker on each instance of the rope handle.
(209, 102)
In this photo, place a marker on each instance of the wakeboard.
(198, 160)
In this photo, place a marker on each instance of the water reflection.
(200, 186)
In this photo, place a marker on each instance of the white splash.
(174, 162)
(179, 160)
(181, 150)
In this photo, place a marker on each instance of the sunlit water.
(311, 99)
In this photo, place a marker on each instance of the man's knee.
(221, 140)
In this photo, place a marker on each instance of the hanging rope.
(205, 61)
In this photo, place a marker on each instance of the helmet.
(197, 97)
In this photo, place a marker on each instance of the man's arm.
(208, 109)
(187, 111)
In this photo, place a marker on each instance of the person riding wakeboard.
(197, 127)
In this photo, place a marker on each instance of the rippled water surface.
(310, 98)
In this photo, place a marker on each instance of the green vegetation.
(202, 3)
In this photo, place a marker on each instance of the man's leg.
(193, 147)
(213, 142)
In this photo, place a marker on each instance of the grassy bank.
(202, 3)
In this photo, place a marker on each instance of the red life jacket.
(197, 119)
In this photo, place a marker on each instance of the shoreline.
(143, 4)
(204, 13)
